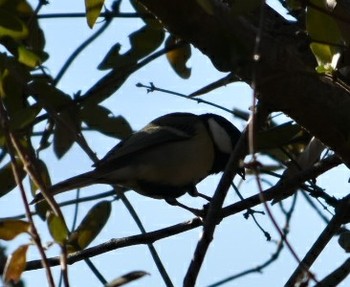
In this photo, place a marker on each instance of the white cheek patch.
(220, 136)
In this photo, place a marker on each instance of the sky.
(238, 244)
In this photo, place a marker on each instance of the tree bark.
(284, 77)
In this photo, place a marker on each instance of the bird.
(165, 159)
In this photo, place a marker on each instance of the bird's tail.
(75, 182)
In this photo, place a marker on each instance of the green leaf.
(179, 57)
(326, 36)
(93, 10)
(58, 228)
(15, 264)
(90, 227)
(28, 57)
(100, 118)
(11, 228)
(126, 278)
(11, 26)
(7, 179)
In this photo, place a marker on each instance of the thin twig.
(152, 88)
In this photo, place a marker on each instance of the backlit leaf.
(44, 174)
(10, 228)
(91, 226)
(93, 10)
(58, 228)
(28, 57)
(179, 57)
(15, 264)
(326, 36)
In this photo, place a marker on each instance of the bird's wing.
(156, 133)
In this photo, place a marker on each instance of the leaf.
(28, 57)
(179, 57)
(93, 10)
(65, 131)
(44, 174)
(48, 96)
(278, 136)
(143, 42)
(58, 228)
(10, 228)
(127, 278)
(90, 227)
(15, 264)
(13, 78)
(24, 118)
(11, 26)
(326, 36)
(344, 241)
(99, 118)
(7, 179)
(327, 57)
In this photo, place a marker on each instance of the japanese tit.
(165, 159)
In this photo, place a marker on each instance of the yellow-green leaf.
(93, 10)
(28, 57)
(91, 226)
(58, 228)
(9, 229)
(15, 264)
(179, 57)
(325, 35)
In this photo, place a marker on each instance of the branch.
(235, 208)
